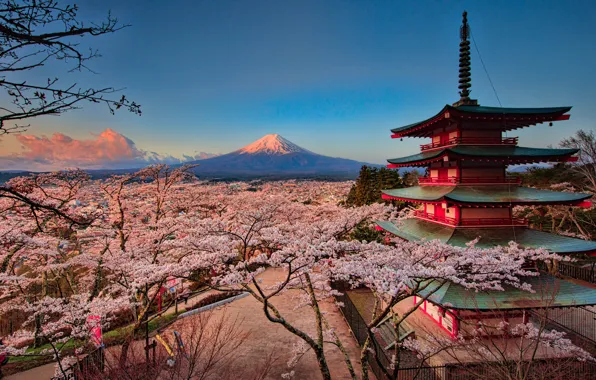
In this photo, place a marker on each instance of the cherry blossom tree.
(76, 247)
(210, 344)
(314, 250)
(585, 141)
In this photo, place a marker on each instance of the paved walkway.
(44, 372)
(268, 338)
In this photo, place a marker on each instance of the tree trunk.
(322, 364)
(124, 352)
(36, 339)
(364, 359)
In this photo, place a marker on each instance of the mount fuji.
(274, 156)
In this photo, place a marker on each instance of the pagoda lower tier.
(416, 230)
(459, 310)
(566, 294)
(463, 312)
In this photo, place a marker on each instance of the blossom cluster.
(71, 247)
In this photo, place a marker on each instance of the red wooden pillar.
(455, 324)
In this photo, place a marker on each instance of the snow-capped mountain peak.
(272, 144)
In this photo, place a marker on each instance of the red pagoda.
(466, 194)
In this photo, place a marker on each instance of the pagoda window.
(448, 322)
(433, 311)
(429, 208)
(441, 139)
(452, 212)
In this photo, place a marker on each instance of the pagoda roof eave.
(417, 230)
(483, 195)
(508, 154)
(549, 292)
(515, 117)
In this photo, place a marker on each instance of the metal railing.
(573, 271)
(570, 270)
(471, 141)
(538, 369)
(92, 363)
(469, 180)
(578, 321)
(360, 331)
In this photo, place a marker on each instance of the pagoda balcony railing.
(493, 222)
(469, 180)
(420, 214)
(471, 141)
(471, 222)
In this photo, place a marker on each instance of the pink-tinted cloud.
(109, 146)
(108, 150)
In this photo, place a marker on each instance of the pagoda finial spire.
(465, 80)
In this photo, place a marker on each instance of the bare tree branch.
(33, 33)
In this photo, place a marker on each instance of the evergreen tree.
(370, 182)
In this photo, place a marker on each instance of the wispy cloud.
(108, 150)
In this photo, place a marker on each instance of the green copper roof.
(421, 193)
(515, 153)
(507, 194)
(485, 194)
(495, 111)
(418, 157)
(417, 229)
(509, 151)
(513, 111)
(566, 293)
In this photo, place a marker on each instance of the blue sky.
(330, 75)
